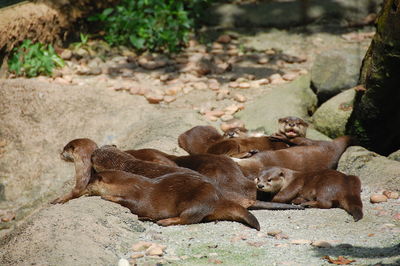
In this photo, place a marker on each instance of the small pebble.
(226, 117)
(391, 194)
(289, 76)
(300, 242)
(274, 232)
(244, 85)
(155, 250)
(169, 99)
(141, 245)
(378, 198)
(321, 244)
(137, 255)
(225, 39)
(123, 262)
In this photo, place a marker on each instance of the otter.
(153, 155)
(197, 139)
(291, 127)
(321, 189)
(300, 158)
(229, 178)
(221, 170)
(171, 199)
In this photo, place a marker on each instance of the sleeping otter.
(171, 199)
(321, 189)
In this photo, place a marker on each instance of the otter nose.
(291, 124)
(260, 185)
(231, 134)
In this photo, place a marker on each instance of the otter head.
(78, 148)
(292, 127)
(271, 180)
(236, 132)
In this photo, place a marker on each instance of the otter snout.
(259, 185)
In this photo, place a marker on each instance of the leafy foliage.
(150, 24)
(33, 59)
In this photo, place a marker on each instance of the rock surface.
(334, 71)
(331, 117)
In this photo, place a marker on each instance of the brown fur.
(300, 158)
(220, 169)
(171, 199)
(291, 127)
(322, 189)
(153, 155)
(197, 139)
(245, 147)
(229, 178)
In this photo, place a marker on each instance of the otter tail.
(231, 211)
(264, 205)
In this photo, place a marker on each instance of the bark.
(375, 119)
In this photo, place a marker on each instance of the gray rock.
(291, 99)
(395, 156)
(331, 117)
(335, 71)
(288, 13)
(84, 231)
(375, 170)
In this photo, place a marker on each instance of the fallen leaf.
(339, 261)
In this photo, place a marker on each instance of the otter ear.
(256, 180)
(281, 120)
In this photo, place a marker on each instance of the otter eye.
(281, 174)
(269, 180)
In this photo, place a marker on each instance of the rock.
(334, 71)
(216, 113)
(373, 169)
(291, 99)
(155, 250)
(239, 98)
(154, 97)
(378, 198)
(225, 38)
(222, 94)
(123, 262)
(200, 85)
(232, 123)
(66, 54)
(274, 232)
(331, 117)
(233, 84)
(263, 60)
(137, 255)
(276, 79)
(321, 244)
(141, 246)
(397, 216)
(169, 99)
(395, 156)
(244, 85)
(213, 84)
(290, 76)
(300, 242)
(8, 216)
(391, 194)
(226, 117)
(231, 109)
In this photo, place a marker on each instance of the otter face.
(271, 180)
(292, 127)
(78, 147)
(236, 132)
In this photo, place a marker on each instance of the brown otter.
(197, 139)
(300, 158)
(229, 178)
(171, 199)
(153, 155)
(220, 169)
(321, 189)
(291, 127)
(78, 151)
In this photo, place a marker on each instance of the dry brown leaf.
(339, 261)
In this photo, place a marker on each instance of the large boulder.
(372, 168)
(331, 117)
(291, 99)
(84, 231)
(395, 156)
(37, 123)
(288, 13)
(334, 71)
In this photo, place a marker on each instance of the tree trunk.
(375, 119)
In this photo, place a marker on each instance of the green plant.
(149, 24)
(32, 59)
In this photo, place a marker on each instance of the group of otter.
(222, 177)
